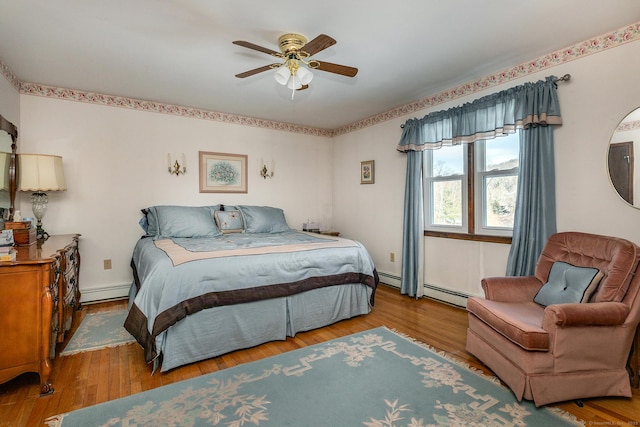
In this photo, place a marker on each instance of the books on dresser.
(8, 256)
(6, 238)
(7, 252)
(6, 245)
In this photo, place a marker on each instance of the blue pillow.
(229, 221)
(263, 219)
(144, 222)
(568, 284)
(180, 221)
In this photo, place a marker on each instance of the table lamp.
(40, 173)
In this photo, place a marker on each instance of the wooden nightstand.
(39, 294)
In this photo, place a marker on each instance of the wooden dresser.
(38, 293)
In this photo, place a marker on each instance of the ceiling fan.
(295, 52)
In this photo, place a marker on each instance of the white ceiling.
(180, 51)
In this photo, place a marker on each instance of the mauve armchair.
(570, 350)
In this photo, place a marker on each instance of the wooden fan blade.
(337, 69)
(303, 87)
(318, 44)
(256, 71)
(258, 48)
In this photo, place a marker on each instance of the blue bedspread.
(180, 276)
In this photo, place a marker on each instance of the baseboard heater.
(105, 293)
(448, 296)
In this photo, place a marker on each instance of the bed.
(213, 279)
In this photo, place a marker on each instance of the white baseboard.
(449, 296)
(105, 293)
(439, 293)
(389, 279)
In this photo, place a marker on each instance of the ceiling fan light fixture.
(293, 75)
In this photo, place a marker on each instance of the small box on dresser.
(25, 236)
(23, 232)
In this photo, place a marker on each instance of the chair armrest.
(586, 314)
(511, 288)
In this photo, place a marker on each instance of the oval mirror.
(623, 170)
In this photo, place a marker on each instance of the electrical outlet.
(107, 264)
(392, 256)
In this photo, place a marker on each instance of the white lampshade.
(294, 82)
(282, 75)
(305, 75)
(40, 173)
(5, 158)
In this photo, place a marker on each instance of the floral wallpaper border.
(597, 44)
(627, 126)
(156, 107)
(8, 74)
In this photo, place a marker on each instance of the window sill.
(472, 237)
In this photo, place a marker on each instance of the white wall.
(603, 89)
(371, 213)
(115, 163)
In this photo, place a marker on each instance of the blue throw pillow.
(568, 284)
(180, 221)
(229, 221)
(263, 219)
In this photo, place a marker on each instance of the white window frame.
(428, 194)
(480, 189)
(480, 192)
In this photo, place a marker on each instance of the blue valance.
(530, 104)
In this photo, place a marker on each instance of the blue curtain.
(535, 215)
(533, 107)
(413, 220)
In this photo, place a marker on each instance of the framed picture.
(367, 172)
(223, 172)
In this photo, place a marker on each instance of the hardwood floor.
(89, 378)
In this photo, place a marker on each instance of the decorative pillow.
(229, 221)
(568, 284)
(144, 222)
(180, 221)
(263, 219)
(148, 221)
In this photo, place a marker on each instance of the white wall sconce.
(174, 167)
(264, 172)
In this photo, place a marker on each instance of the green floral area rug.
(376, 378)
(99, 330)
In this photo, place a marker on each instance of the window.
(470, 189)
(446, 188)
